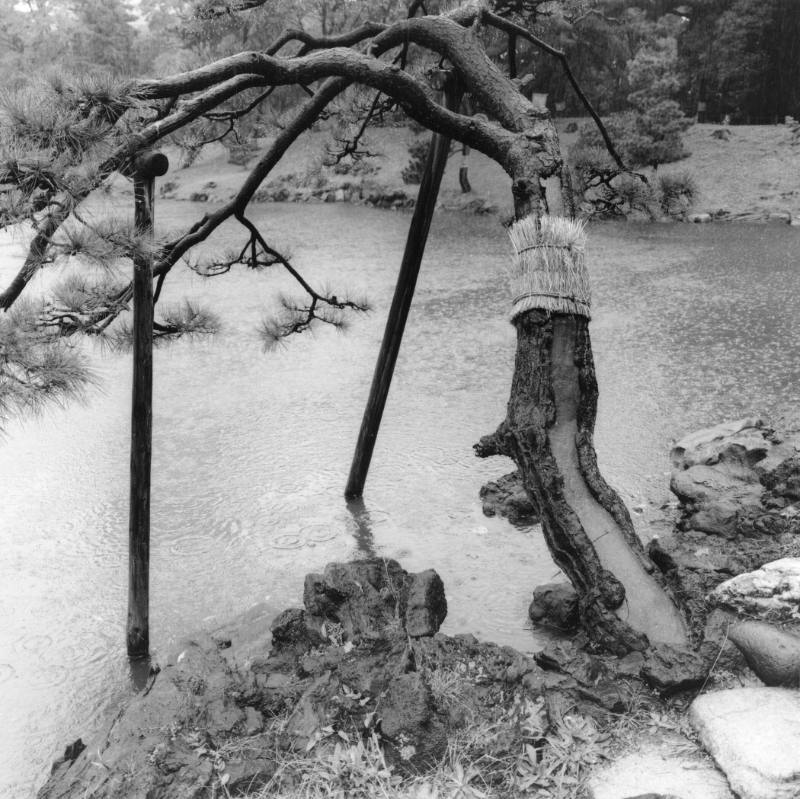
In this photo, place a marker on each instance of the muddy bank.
(362, 660)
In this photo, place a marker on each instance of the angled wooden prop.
(401, 303)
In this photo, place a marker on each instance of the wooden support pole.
(512, 55)
(401, 303)
(146, 168)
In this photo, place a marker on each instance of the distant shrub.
(633, 195)
(240, 153)
(642, 138)
(413, 171)
(355, 167)
(677, 193)
(608, 191)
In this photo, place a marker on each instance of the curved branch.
(228, 116)
(209, 11)
(447, 36)
(203, 229)
(347, 39)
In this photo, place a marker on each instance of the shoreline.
(761, 158)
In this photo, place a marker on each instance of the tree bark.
(548, 431)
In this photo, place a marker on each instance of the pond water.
(692, 325)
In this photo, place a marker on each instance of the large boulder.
(770, 593)
(740, 441)
(716, 498)
(671, 768)
(737, 478)
(772, 653)
(753, 734)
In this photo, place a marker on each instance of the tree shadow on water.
(362, 527)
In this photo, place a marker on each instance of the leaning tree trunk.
(624, 602)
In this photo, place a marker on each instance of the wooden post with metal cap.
(146, 167)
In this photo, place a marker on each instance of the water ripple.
(7, 672)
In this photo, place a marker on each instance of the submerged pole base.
(138, 643)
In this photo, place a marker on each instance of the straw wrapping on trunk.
(548, 270)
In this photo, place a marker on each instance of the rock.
(669, 670)
(339, 195)
(716, 498)
(784, 481)
(659, 770)
(771, 593)
(568, 658)
(418, 738)
(223, 716)
(556, 605)
(699, 218)
(367, 597)
(631, 664)
(753, 734)
(742, 440)
(292, 630)
(697, 552)
(774, 655)
(426, 606)
(313, 710)
(780, 217)
(506, 497)
(720, 476)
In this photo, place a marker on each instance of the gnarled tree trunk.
(625, 603)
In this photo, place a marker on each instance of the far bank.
(745, 173)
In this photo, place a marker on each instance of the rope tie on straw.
(548, 270)
(542, 247)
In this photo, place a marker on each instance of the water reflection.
(362, 528)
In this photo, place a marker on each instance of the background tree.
(103, 36)
(740, 58)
